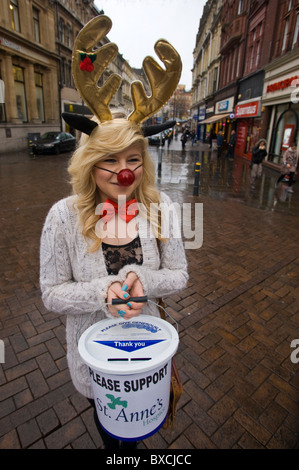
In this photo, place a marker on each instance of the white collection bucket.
(130, 370)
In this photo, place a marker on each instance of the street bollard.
(196, 179)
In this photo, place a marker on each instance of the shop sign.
(225, 106)
(281, 85)
(201, 113)
(241, 139)
(248, 109)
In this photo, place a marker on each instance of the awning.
(215, 118)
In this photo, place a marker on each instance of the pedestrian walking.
(184, 139)
(94, 249)
(259, 152)
(193, 137)
(220, 142)
(231, 145)
(289, 166)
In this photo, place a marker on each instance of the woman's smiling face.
(107, 182)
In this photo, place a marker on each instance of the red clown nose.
(125, 177)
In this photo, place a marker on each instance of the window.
(296, 32)
(68, 36)
(2, 101)
(20, 93)
(14, 12)
(240, 7)
(215, 80)
(285, 36)
(69, 73)
(36, 24)
(39, 93)
(61, 31)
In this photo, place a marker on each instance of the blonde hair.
(108, 138)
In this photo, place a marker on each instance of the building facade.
(28, 70)
(258, 88)
(36, 83)
(280, 97)
(206, 68)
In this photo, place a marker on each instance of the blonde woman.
(90, 254)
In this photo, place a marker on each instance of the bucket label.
(132, 407)
(130, 346)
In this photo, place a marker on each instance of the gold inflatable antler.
(163, 82)
(89, 65)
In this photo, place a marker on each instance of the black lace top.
(117, 256)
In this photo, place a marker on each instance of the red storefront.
(248, 114)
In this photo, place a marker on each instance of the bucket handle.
(125, 301)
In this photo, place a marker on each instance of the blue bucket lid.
(118, 346)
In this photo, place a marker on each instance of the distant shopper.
(231, 145)
(184, 139)
(290, 161)
(220, 142)
(259, 152)
(212, 137)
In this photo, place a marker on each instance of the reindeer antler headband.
(89, 64)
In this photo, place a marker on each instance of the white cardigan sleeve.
(60, 292)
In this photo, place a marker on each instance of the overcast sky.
(138, 24)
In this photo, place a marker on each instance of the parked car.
(54, 142)
(155, 139)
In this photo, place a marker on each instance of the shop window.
(20, 93)
(286, 124)
(36, 27)
(14, 14)
(39, 92)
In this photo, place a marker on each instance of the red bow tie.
(126, 211)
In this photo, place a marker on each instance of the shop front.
(219, 119)
(248, 115)
(200, 130)
(280, 97)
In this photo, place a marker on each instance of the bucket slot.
(140, 359)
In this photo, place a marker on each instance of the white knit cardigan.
(74, 281)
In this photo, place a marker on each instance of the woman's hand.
(131, 287)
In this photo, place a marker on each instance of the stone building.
(36, 83)
(256, 93)
(206, 67)
(178, 107)
(28, 71)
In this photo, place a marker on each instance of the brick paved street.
(237, 317)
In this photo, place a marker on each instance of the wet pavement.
(237, 317)
(222, 178)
